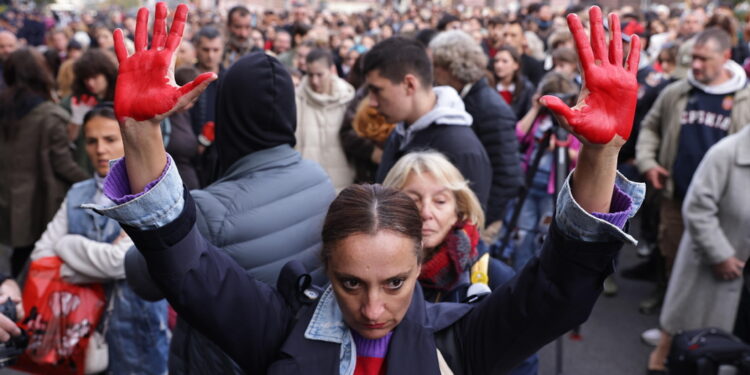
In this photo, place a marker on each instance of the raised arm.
(557, 291)
(146, 92)
(246, 318)
(603, 117)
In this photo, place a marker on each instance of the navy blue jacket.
(262, 328)
(522, 98)
(495, 126)
(458, 143)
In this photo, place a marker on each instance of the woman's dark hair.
(355, 77)
(320, 54)
(369, 209)
(184, 74)
(518, 75)
(29, 83)
(92, 63)
(554, 83)
(53, 61)
(100, 110)
(668, 54)
(726, 23)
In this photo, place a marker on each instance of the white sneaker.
(644, 249)
(651, 336)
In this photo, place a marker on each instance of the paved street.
(610, 343)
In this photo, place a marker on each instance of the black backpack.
(702, 351)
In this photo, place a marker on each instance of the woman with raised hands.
(372, 318)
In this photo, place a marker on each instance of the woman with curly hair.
(95, 74)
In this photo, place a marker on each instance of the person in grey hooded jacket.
(266, 208)
(399, 77)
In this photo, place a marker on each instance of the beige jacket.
(660, 129)
(319, 118)
(717, 216)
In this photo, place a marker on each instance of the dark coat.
(522, 98)
(37, 168)
(358, 150)
(495, 126)
(262, 328)
(532, 68)
(458, 143)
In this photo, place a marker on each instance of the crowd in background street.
(489, 67)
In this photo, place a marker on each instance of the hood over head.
(255, 108)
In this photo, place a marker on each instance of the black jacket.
(532, 68)
(522, 98)
(494, 125)
(263, 328)
(458, 143)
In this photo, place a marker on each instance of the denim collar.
(327, 324)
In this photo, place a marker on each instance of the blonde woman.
(451, 218)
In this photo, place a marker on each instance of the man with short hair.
(299, 60)
(399, 79)
(57, 40)
(8, 45)
(513, 35)
(239, 42)
(209, 45)
(322, 98)
(689, 117)
(494, 40)
(282, 42)
(691, 23)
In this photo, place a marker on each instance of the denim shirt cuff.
(578, 224)
(158, 204)
(118, 188)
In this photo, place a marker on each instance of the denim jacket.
(135, 330)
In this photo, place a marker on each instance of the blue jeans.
(536, 215)
(137, 334)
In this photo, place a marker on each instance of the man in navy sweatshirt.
(689, 117)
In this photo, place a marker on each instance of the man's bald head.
(8, 44)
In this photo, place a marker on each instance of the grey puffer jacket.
(267, 198)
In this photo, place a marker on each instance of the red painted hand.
(606, 105)
(145, 84)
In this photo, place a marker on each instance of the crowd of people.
(432, 136)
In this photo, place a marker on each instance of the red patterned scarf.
(456, 255)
